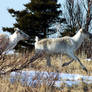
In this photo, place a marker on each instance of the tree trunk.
(88, 19)
(44, 32)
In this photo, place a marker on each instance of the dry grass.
(5, 86)
(12, 61)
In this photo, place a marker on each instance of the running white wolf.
(8, 42)
(65, 45)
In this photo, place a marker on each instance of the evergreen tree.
(36, 18)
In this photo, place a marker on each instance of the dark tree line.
(36, 18)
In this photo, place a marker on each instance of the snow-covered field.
(32, 78)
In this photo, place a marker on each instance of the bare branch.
(84, 5)
(23, 66)
(88, 19)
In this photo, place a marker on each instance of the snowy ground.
(32, 78)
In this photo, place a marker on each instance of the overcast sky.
(6, 20)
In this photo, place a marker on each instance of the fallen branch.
(24, 65)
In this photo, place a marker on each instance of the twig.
(25, 64)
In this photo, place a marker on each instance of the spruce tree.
(36, 18)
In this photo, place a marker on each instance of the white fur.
(65, 45)
(12, 41)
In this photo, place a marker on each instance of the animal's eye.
(17, 32)
(20, 32)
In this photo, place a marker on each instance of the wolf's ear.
(81, 30)
(15, 29)
(36, 39)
